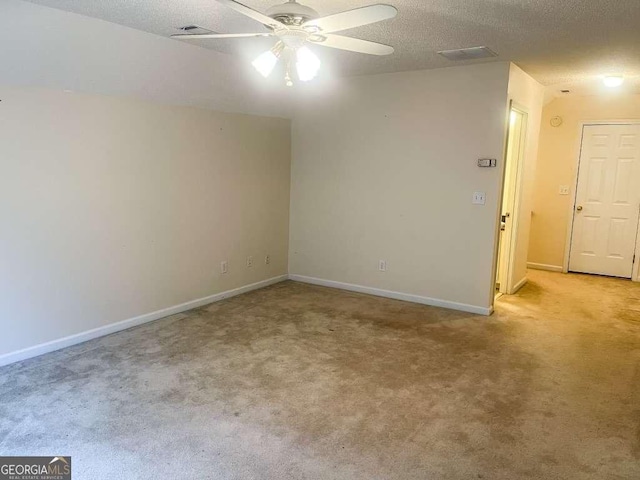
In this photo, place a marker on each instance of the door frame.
(517, 201)
(635, 273)
(518, 175)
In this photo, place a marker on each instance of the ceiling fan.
(296, 26)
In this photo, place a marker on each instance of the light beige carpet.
(303, 382)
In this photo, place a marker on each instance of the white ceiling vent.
(471, 53)
(194, 29)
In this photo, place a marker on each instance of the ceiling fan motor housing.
(293, 39)
(292, 13)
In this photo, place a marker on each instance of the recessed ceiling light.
(613, 81)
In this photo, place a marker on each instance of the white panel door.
(605, 222)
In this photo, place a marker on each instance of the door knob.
(579, 208)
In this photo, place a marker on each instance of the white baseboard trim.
(53, 345)
(407, 297)
(544, 266)
(520, 284)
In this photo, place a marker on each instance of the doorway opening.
(514, 159)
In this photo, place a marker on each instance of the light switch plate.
(479, 198)
(564, 190)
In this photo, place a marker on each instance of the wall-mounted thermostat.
(486, 162)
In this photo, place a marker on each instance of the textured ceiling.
(592, 86)
(555, 41)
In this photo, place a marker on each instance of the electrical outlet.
(224, 266)
(564, 190)
(267, 260)
(382, 265)
(249, 261)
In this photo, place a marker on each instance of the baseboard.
(544, 266)
(520, 284)
(53, 345)
(407, 297)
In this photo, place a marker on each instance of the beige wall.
(386, 168)
(557, 164)
(115, 208)
(527, 94)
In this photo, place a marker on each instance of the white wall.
(529, 95)
(113, 208)
(385, 168)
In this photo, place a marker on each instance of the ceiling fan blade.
(353, 18)
(189, 36)
(352, 44)
(251, 13)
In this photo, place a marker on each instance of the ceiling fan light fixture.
(266, 62)
(307, 64)
(295, 26)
